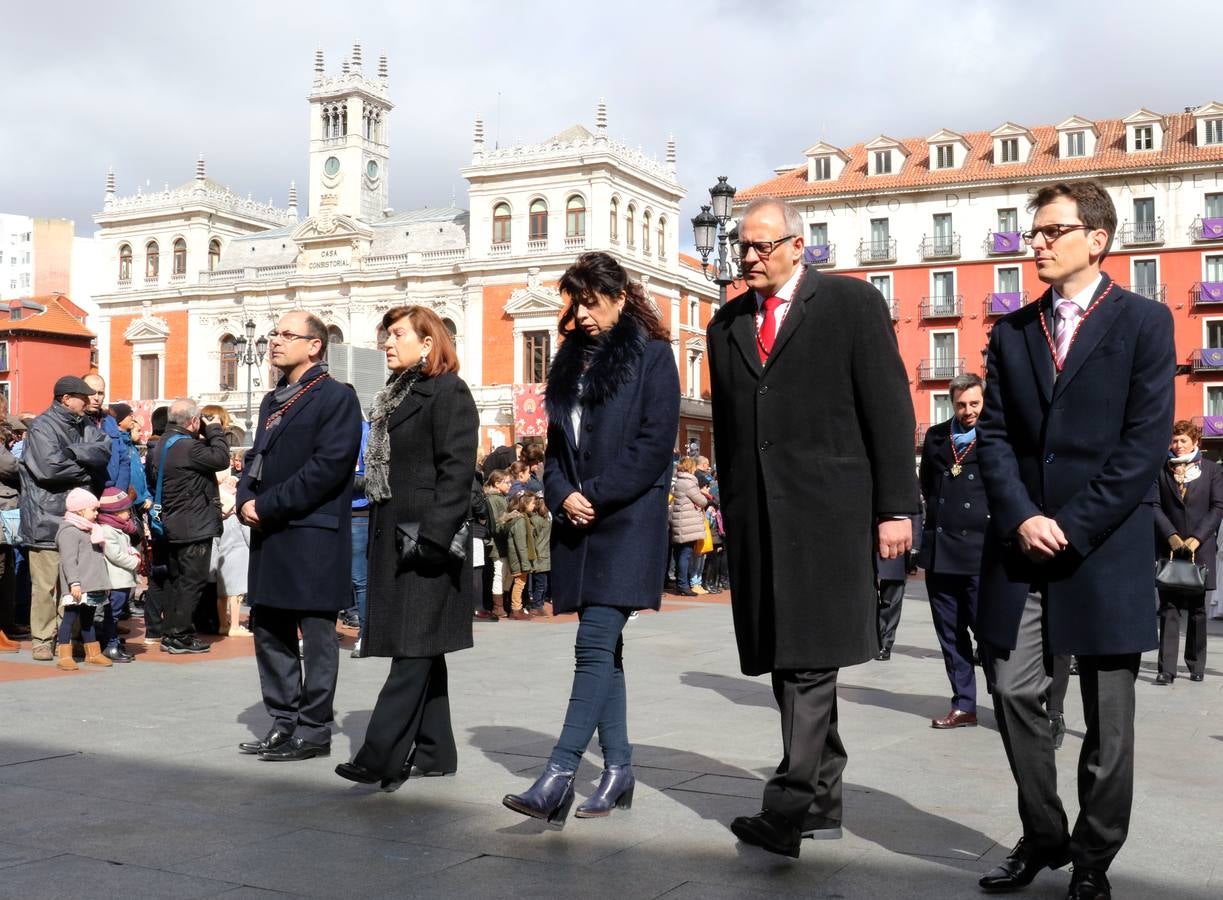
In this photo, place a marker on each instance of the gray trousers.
(297, 692)
(808, 779)
(1020, 681)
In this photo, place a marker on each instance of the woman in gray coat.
(419, 465)
(688, 504)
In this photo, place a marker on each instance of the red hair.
(427, 324)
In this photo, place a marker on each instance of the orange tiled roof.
(690, 261)
(55, 320)
(1179, 148)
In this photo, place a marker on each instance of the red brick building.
(41, 338)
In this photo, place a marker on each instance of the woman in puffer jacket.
(687, 523)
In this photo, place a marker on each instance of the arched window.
(214, 255)
(629, 218)
(538, 222)
(615, 220)
(152, 260)
(180, 257)
(501, 223)
(645, 231)
(229, 363)
(334, 335)
(662, 236)
(575, 217)
(125, 262)
(451, 327)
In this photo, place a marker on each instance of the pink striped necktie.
(1068, 313)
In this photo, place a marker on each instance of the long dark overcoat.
(813, 448)
(425, 610)
(301, 553)
(1197, 515)
(1082, 448)
(957, 510)
(621, 463)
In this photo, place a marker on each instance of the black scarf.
(590, 370)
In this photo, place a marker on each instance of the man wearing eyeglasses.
(296, 495)
(1078, 408)
(814, 433)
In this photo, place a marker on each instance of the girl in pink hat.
(82, 576)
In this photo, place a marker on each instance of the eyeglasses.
(1052, 232)
(763, 249)
(289, 337)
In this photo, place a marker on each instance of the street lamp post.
(250, 352)
(709, 229)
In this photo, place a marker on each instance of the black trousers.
(411, 719)
(891, 596)
(159, 586)
(808, 779)
(188, 576)
(1173, 608)
(1021, 680)
(298, 693)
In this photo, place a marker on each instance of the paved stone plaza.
(126, 782)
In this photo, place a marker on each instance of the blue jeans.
(360, 566)
(598, 697)
(118, 600)
(537, 587)
(683, 566)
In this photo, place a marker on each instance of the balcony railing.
(1208, 360)
(939, 369)
(949, 307)
(1151, 291)
(820, 255)
(920, 433)
(575, 242)
(501, 249)
(999, 303)
(940, 247)
(877, 251)
(1207, 293)
(1001, 243)
(537, 245)
(1207, 228)
(893, 307)
(1212, 426)
(1133, 233)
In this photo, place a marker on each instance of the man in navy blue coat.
(296, 494)
(1078, 408)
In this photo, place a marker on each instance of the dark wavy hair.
(597, 274)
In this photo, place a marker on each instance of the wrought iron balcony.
(893, 307)
(820, 255)
(939, 369)
(1002, 243)
(940, 247)
(1208, 360)
(1212, 426)
(949, 307)
(1133, 233)
(1151, 291)
(1207, 293)
(999, 303)
(1207, 228)
(877, 251)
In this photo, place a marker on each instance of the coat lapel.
(290, 414)
(1091, 332)
(743, 331)
(794, 317)
(1173, 488)
(411, 404)
(938, 448)
(1038, 348)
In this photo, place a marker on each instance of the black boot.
(615, 791)
(548, 798)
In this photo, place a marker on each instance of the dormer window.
(883, 162)
(1214, 131)
(944, 156)
(1144, 137)
(1010, 150)
(1076, 144)
(821, 168)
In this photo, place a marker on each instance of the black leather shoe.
(884, 655)
(1089, 884)
(117, 654)
(296, 750)
(271, 741)
(1057, 728)
(354, 772)
(820, 829)
(548, 798)
(768, 830)
(1196, 676)
(1164, 678)
(1023, 865)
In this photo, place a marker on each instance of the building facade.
(35, 256)
(41, 338)
(935, 224)
(187, 268)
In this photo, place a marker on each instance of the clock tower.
(349, 124)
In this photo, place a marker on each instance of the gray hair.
(794, 221)
(961, 383)
(183, 410)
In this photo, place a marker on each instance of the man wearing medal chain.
(814, 432)
(1078, 408)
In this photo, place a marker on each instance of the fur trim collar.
(592, 369)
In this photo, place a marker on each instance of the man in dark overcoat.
(296, 494)
(1078, 409)
(814, 433)
(953, 533)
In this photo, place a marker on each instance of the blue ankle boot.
(615, 790)
(548, 798)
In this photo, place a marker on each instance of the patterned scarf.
(96, 534)
(378, 449)
(1185, 469)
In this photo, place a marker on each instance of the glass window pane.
(1214, 268)
(1008, 220)
(1214, 206)
(1008, 280)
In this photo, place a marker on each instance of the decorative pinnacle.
(479, 130)
(293, 194)
(601, 115)
(344, 67)
(110, 180)
(199, 168)
(382, 68)
(356, 56)
(318, 61)
(671, 150)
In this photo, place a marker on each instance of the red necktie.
(768, 328)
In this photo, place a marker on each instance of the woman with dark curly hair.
(613, 413)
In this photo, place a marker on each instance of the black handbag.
(407, 536)
(1180, 576)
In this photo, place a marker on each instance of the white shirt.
(786, 293)
(1082, 299)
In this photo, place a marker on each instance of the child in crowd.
(520, 539)
(520, 474)
(540, 589)
(82, 572)
(496, 486)
(122, 564)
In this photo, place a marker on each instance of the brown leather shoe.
(957, 718)
(519, 615)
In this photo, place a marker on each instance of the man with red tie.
(1078, 408)
(814, 433)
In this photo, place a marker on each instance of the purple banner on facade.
(1212, 291)
(1004, 302)
(1212, 357)
(1212, 228)
(816, 253)
(1005, 242)
(1212, 426)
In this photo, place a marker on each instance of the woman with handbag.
(1188, 510)
(419, 465)
(613, 413)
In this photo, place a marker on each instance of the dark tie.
(768, 328)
